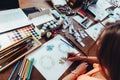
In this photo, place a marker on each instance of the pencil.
(30, 69)
(16, 76)
(26, 70)
(11, 75)
(22, 67)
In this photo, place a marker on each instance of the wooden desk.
(35, 74)
(42, 4)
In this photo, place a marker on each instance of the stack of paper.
(12, 19)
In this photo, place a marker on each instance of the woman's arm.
(90, 59)
(78, 71)
(74, 57)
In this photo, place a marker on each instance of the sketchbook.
(50, 58)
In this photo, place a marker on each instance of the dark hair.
(109, 52)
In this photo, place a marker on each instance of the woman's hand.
(81, 68)
(73, 56)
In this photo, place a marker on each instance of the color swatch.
(22, 33)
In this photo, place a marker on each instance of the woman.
(108, 58)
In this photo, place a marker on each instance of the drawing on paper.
(62, 60)
(46, 62)
(64, 48)
(51, 58)
(50, 47)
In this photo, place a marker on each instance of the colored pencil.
(30, 69)
(11, 75)
(22, 68)
(16, 76)
(26, 70)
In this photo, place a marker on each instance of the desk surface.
(42, 4)
(35, 74)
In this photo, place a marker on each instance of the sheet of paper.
(43, 17)
(59, 2)
(4, 41)
(12, 19)
(50, 58)
(113, 18)
(115, 3)
(95, 30)
(99, 8)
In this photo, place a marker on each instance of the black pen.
(66, 43)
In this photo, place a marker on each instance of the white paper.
(48, 57)
(43, 17)
(115, 3)
(99, 8)
(12, 19)
(95, 30)
(59, 2)
(113, 18)
(4, 41)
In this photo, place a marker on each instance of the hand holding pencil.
(73, 56)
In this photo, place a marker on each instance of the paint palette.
(23, 32)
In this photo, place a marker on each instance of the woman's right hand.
(73, 56)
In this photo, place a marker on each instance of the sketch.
(50, 47)
(64, 48)
(46, 62)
